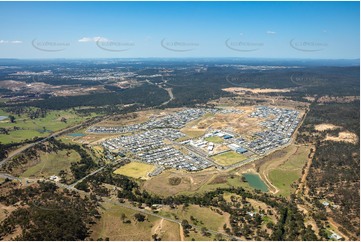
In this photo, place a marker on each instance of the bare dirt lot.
(233, 122)
(342, 99)
(323, 127)
(343, 137)
(136, 117)
(242, 90)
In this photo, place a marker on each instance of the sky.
(316, 30)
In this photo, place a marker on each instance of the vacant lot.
(228, 158)
(190, 182)
(345, 136)
(52, 163)
(323, 127)
(214, 139)
(135, 170)
(242, 90)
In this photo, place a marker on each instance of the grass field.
(214, 139)
(135, 170)
(224, 181)
(111, 225)
(51, 164)
(228, 158)
(205, 216)
(193, 183)
(30, 128)
(289, 171)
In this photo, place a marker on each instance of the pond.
(3, 118)
(76, 135)
(255, 181)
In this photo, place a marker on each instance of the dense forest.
(334, 173)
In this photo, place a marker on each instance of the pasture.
(52, 163)
(27, 128)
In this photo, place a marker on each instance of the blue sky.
(328, 30)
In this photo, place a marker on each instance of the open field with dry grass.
(203, 216)
(228, 158)
(191, 182)
(136, 170)
(52, 164)
(111, 226)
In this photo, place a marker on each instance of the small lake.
(76, 135)
(3, 118)
(255, 181)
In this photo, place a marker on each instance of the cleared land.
(52, 163)
(135, 170)
(200, 182)
(190, 182)
(242, 90)
(343, 137)
(323, 127)
(237, 122)
(228, 158)
(214, 139)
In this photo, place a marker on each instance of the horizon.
(274, 30)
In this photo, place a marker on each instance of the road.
(144, 211)
(82, 179)
(109, 200)
(58, 133)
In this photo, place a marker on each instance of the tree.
(139, 217)
(12, 118)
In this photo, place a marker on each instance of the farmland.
(26, 128)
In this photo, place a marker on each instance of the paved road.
(8, 176)
(82, 179)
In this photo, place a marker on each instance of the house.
(335, 236)
(227, 136)
(241, 150)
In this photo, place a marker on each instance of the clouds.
(93, 39)
(270, 32)
(10, 42)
